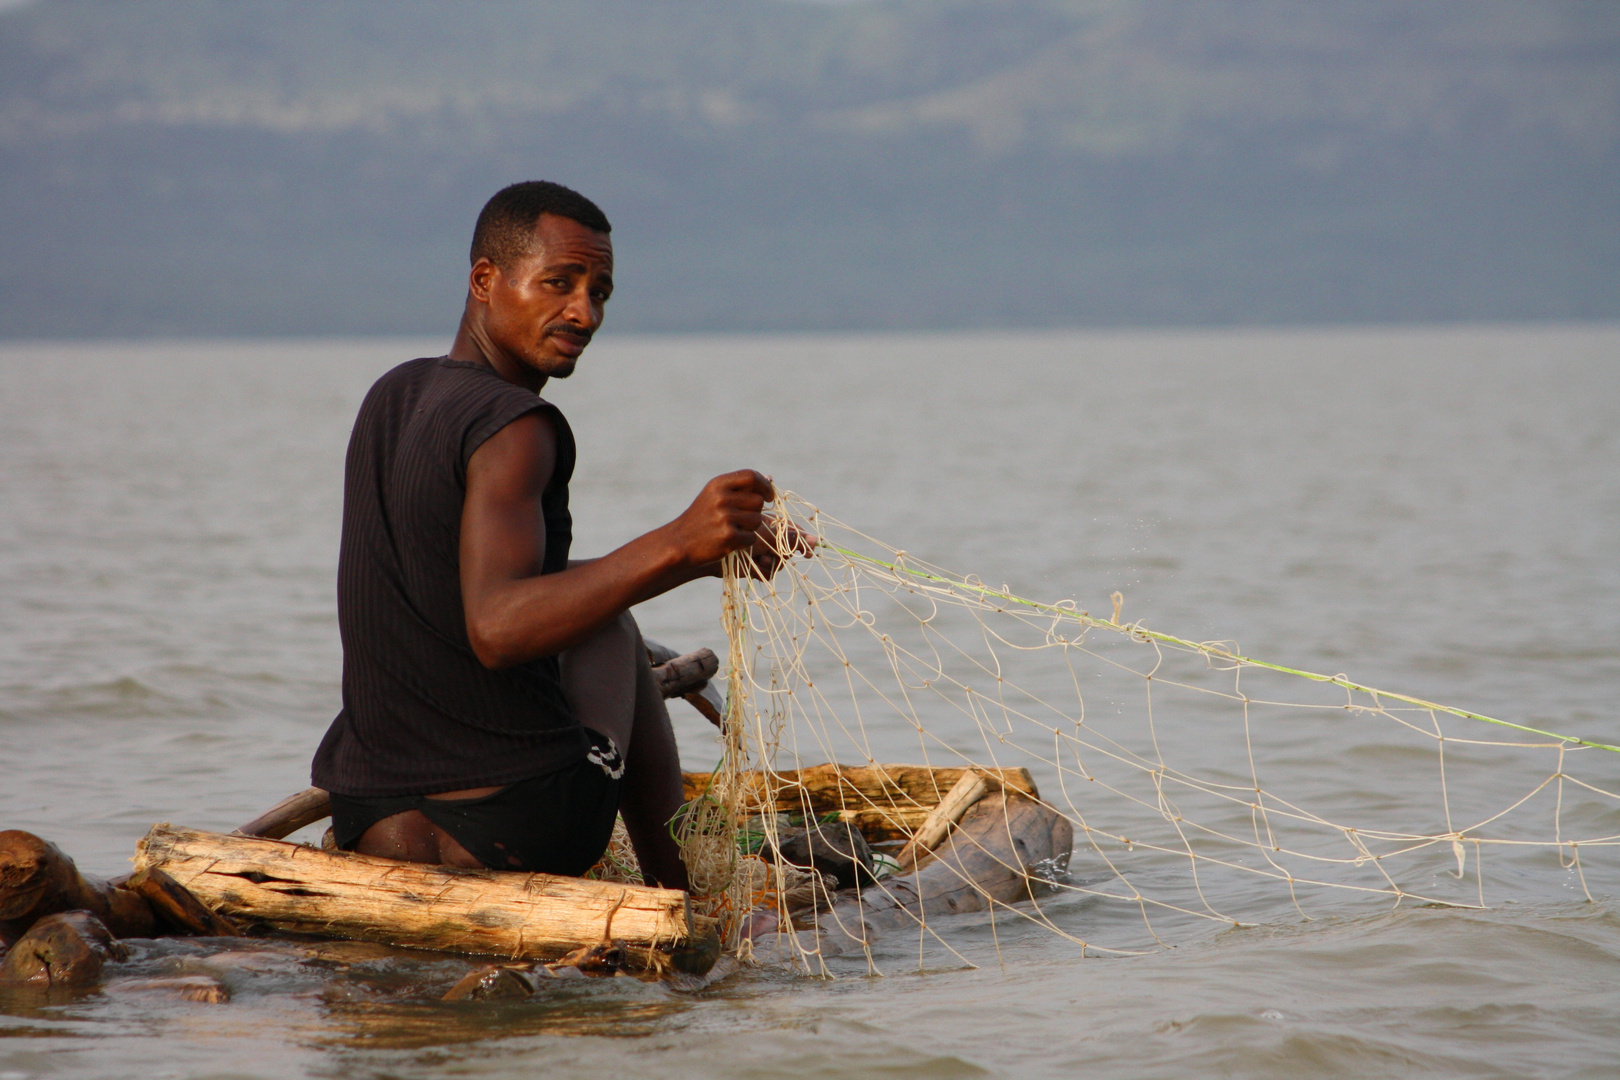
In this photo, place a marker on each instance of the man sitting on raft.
(498, 706)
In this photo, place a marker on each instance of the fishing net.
(1204, 789)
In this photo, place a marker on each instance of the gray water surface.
(1430, 511)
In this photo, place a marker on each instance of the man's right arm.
(514, 613)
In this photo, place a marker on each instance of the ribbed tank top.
(420, 713)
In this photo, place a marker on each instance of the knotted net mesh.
(1203, 788)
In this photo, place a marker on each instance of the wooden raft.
(884, 802)
(293, 888)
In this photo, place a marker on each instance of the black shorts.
(558, 823)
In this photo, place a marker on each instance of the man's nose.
(580, 310)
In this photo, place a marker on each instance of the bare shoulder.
(516, 461)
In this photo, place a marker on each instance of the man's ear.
(481, 279)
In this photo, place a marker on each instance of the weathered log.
(290, 814)
(885, 802)
(65, 951)
(176, 907)
(989, 858)
(968, 790)
(37, 879)
(297, 889)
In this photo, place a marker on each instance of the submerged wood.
(62, 951)
(990, 858)
(175, 907)
(293, 888)
(202, 989)
(37, 879)
(885, 802)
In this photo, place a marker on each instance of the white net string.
(1203, 787)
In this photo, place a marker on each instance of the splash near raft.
(1169, 760)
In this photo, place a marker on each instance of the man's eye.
(557, 282)
(600, 295)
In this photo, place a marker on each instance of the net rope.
(1204, 788)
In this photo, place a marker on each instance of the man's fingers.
(749, 480)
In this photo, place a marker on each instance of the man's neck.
(472, 346)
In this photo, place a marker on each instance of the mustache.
(580, 333)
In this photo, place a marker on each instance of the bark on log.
(290, 814)
(37, 879)
(298, 889)
(987, 859)
(885, 802)
(176, 907)
(61, 952)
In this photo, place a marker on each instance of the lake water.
(1432, 511)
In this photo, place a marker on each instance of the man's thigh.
(600, 677)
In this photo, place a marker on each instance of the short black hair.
(505, 226)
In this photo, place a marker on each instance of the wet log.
(885, 802)
(37, 879)
(175, 907)
(297, 889)
(994, 856)
(290, 814)
(61, 952)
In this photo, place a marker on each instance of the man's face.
(544, 308)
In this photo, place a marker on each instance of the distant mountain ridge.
(186, 167)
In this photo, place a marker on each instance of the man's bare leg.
(611, 687)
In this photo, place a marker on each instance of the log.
(292, 888)
(989, 858)
(65, 951)
(290, 814)
(968, 790)
(885, 802)
(176, 907)
(37, 879)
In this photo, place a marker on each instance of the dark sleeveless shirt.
(421, 714)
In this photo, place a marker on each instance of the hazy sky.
(304, 166)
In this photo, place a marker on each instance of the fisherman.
(498, 705)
